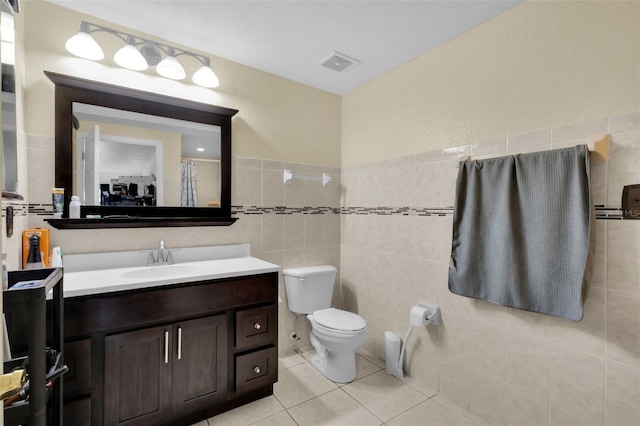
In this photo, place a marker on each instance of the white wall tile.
(527, 322)
(524, 409)
(539, 141)
(487, 397)
(454, 384)
(272, 232)
(598, 183)
(404, 235)
(623, 167)
(487, 311)
(587, 335)
(560, 417)
(494, 147)
(576, 382)
(404, 186)
(249, 187)
(623, 327)
(527, 363)
(272, 188)
(623, 252)
(293, 231)
(624, 123)
(580, 130)
(313, 230)
(487, 348)
(623, 395)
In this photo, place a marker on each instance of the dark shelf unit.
(139, 222)
(32, 301)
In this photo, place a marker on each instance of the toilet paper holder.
(423, 314)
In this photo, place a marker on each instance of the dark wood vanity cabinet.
(137, 380)
(170, 355)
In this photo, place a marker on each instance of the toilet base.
(340, 368)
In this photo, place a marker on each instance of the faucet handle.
(150, 259)
(169, 257)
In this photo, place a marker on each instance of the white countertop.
(84, 275)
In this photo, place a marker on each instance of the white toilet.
(335, 334)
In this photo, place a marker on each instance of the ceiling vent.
(338, 62)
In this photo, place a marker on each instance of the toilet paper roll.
(418, 317)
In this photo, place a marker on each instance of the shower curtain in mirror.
(188, 197)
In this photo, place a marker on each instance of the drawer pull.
(256, 369)
(166, 347)
(179, 342)
(257, 326)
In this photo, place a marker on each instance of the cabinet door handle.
(166, 347)
(256, 369)
(179, 342)
(257, 326)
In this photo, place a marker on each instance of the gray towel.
(522, 231)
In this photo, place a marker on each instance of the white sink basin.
(99, 273)
(159, 271)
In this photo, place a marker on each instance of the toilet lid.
(339, 320)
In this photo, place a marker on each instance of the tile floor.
(305, 397)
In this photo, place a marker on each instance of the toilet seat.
(336, 321)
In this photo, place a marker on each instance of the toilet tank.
(309, 288)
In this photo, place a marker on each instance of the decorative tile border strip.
(397, 211)
(602, 212)
(608, 213)
(40, 209)
(19, 209)
(378, 211)
(252, 210)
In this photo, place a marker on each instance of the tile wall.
(508, 366)
(387, 226)
(293, 224)
(12, 246)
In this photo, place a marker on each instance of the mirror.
(126, 158)
(9, 140)
(98, 126)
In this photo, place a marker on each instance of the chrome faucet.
(161, 257)
(164, 255)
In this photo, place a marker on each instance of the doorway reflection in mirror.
(124, 158)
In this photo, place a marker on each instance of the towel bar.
(598, 146)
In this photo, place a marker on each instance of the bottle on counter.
(34, 259)
(74, 207)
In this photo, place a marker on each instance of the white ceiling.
(290, 38)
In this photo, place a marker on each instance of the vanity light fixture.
(139, 53)
(130, 57)
(169, 67)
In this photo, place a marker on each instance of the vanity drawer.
(257, 326)
(256, 369)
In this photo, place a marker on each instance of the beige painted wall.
(278, 119)
(539, 65)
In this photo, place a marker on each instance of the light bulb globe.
(170, 68)
(84, 46)
(205, 77)
(130, 57)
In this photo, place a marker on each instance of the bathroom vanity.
(168, 343)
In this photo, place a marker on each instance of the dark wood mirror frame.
(71, 89)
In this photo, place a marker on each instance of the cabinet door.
(199, 363)
(138, 377)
